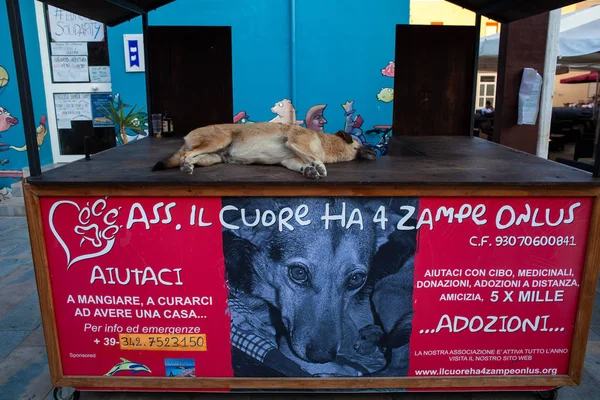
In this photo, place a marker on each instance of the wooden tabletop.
(413, 160)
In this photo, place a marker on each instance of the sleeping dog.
(296, 148)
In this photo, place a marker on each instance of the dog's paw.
(321, 170)
(311, 172)
(187, 168)
(368, 341)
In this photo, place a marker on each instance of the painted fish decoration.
(389, 70)
(386, 95)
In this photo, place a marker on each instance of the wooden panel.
(522, 44)
(191, 75)
(421, 161)
(321, 191)
(318, 383)
(43, 282)
(42, 278)
(587, 291)
(433, 79)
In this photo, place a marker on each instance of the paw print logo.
(91, 231)
(97, 225)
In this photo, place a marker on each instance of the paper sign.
(100, 74)
(69, 49)
(134, 53)
(529, 97)
(70, 106)
(63, 123)
(70, 69)
(68, 27)
(100, 101)
(311, 286)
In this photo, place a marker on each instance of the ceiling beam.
(128, 5)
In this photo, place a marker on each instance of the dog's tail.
(170, 162)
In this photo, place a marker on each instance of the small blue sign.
(134, 57)
(100, 101)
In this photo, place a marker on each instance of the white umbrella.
(579, 42)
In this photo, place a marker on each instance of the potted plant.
(135, 120)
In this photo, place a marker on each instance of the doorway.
(435, 97)
(76, 70)
(191, 75)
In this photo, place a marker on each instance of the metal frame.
(147, 70)
(128, 5)
(18, 43)
(596, 170)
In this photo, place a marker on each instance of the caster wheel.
(66, 394)
(548, 394)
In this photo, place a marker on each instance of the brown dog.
(296, 148)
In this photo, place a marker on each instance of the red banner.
(222, 287)
(500, 297)
(137, 267)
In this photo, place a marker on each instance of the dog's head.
(309, 275)
(355, 150)
(311, 283)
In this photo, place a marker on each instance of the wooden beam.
(522, 45)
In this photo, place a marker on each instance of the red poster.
(299, 287)
(500, 297)
(138, 267)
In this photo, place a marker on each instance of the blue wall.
(131, 86)
(341, 48)
(9, 94)
(260, 36)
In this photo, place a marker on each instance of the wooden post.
(522, 45)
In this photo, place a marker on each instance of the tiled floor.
(24, 366)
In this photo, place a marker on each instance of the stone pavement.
(24, 365)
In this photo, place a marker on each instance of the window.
(491, 28)
(486, 90)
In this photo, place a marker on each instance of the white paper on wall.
(529, 97)
(68, 27)
(70, 69)
(70, 106)
(69, 49)
(100, 74)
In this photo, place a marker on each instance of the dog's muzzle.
(317, 353)
(364, 153)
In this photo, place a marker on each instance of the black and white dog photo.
(309, 301)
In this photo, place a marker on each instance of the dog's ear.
(344, 135)
(238, 262)
(394, 246)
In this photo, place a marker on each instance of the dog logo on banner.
(97, 226)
